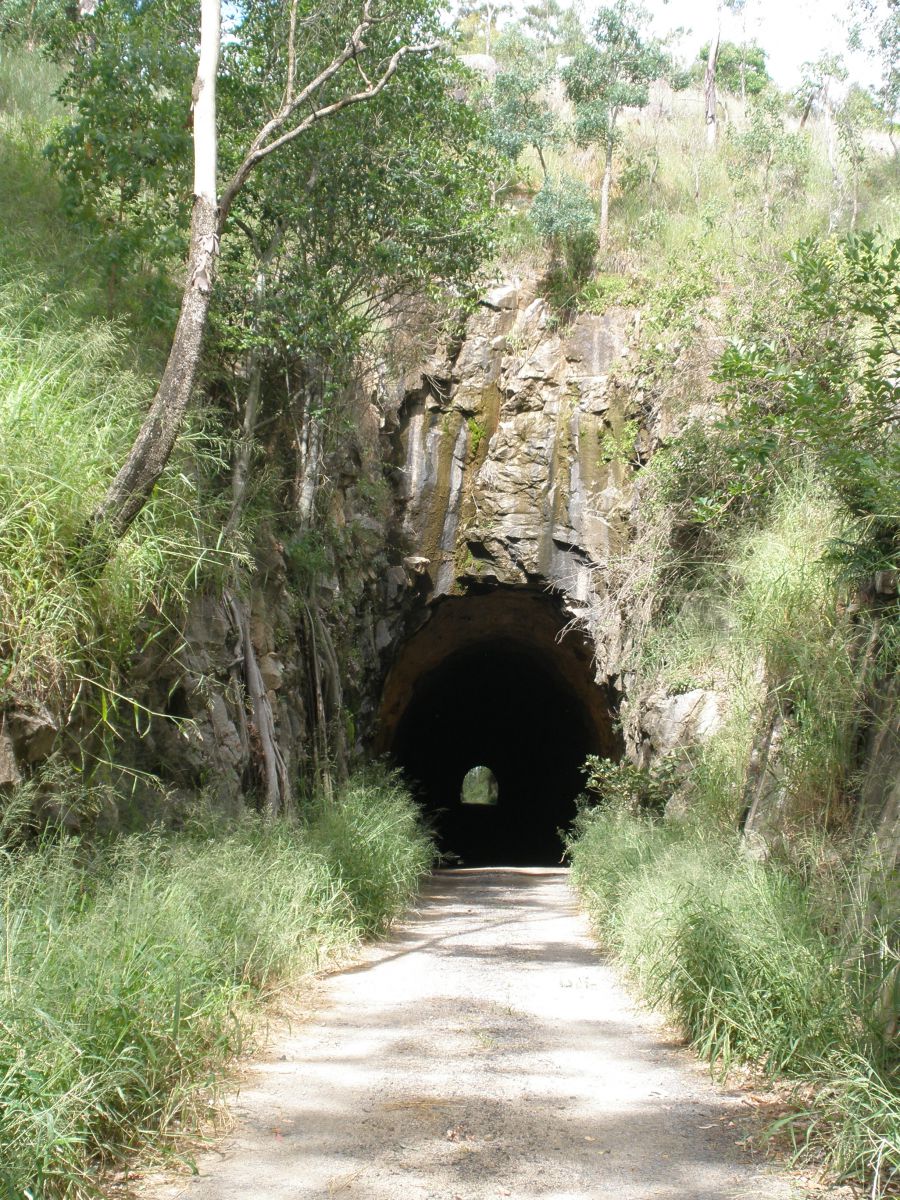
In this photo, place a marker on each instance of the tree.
(303, 73)
(543, 20)
(565, 218)
(885, 48)
(480, 20)
(855, 115)
(29, 21)
(778, 160)
(712, 58)
(520, 114)
(613, 73)
(817, 85)
(740, 70)
(821, 385)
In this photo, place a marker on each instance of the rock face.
(520, 451)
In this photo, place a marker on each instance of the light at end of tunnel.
(480, 787)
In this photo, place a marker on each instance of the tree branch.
(262, 148)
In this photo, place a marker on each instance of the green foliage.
(124, 153)
(29, 22)
(477, 433)
(564, 215)
(307, 556)
(133, 973)
(753, 613)
(740, 70)
(819, 78)
(617, 444)
(768, 158)
(72, 392)
(625, 787)
(604, 290)
(520, 115)
(613, 73)
(758, 963)
(826, 391)
(337, 234)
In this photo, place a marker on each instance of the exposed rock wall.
(520, 451)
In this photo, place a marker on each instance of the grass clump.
(74, 386)
(132, 972)
(755, 962)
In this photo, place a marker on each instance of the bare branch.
(366, 80)
(262, 148)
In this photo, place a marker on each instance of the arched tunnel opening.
(496, 681)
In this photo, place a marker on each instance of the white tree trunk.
(709, 83)
(604, 197)
(153, 445)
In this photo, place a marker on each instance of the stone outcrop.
(520, 451)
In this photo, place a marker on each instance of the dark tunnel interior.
(511, 699)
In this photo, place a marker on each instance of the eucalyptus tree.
(740, 70)
(288, 71)
(767, 157)
(518, 106)
(610, 74)
(856, 114)
(712, 59)
(481, 18)
(545, 22)
(877, 30)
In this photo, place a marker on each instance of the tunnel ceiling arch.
(496, 679)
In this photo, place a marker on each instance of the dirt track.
(484, 1050)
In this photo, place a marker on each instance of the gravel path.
(484, 1050)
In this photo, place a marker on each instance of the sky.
(792, 32)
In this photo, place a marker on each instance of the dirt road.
(485, 1050)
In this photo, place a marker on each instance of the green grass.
(74, 384)
(760, 963)
(753, 611)
(131, 973)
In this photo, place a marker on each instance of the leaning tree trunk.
(147, 459)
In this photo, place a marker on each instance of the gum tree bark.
(128, 492)
(604, 195)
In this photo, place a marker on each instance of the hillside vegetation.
(761, 432)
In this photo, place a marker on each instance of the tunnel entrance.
(493, 681)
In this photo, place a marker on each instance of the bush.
(133, 972)
(564, 215)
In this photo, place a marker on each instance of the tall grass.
(757, 964)
(757, 618)
(74, 385)
(131, 973)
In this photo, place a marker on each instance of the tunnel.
(496, 681)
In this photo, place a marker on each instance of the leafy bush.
(133, 972)
(564, 215)
(624, 786)
(826, 388)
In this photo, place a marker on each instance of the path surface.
(483, 1051)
